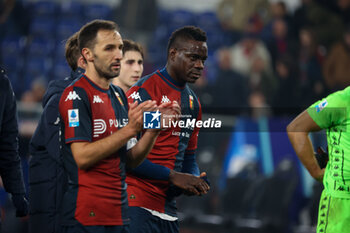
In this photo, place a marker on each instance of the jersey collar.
(77, 73)
(163, 73)
(95, 85)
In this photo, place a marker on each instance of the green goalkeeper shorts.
(333, 214)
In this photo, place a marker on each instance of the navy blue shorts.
(142, 221)
(78, 228)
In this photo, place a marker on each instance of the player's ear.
(87, 54)
(172, 54)
(82, 62)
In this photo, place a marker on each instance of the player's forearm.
(152, 170)
(304, 150)
(298, 133)
(143, 147)
(86, 154)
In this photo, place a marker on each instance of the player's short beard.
(107, 75)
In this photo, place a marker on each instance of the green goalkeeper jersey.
(333, 114)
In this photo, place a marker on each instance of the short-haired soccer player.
(172, 160)
(97, 138)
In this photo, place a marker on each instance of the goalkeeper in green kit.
(332, 114)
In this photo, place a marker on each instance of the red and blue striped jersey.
(172, 145)
(96, 196)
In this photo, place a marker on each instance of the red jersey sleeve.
(75, 112)
(137, 93)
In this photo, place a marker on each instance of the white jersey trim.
(161, 215)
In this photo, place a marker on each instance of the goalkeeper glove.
(321, 157)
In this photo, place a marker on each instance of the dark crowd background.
(267, 62)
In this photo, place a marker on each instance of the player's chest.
(185, 99)
(108, 114)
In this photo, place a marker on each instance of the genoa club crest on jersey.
(191, 101)
(118, 97)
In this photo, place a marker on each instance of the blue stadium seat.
(13, 48)
(47, 8)
(97, 11)
(215, 39)
(41, 47)
(43, 26)
(60, 70)
(164, 16)
(13, 44)
(207, 20)
(71, 8)
(38, 66)
(156, 54)
(179, 18)
(13, 63)
(66, 27)
(59, 54)
(161, 34)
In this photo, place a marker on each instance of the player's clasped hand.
(192, 185)
(170, 111)
(204, 185)
(135, 114)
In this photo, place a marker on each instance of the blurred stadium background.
(268, 60)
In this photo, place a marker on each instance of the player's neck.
(173, 75)
(118, 83)
(92, 74)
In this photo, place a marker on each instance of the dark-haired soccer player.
(172, 159)
(331, 114)
(131, 65)
(98, 129)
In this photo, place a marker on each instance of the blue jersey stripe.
(94, 85)
(184, 138)
(169, 81)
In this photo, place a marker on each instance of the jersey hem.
(107, 223)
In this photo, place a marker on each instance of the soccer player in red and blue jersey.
(172, 159)
(131, 65)
(97, 136)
